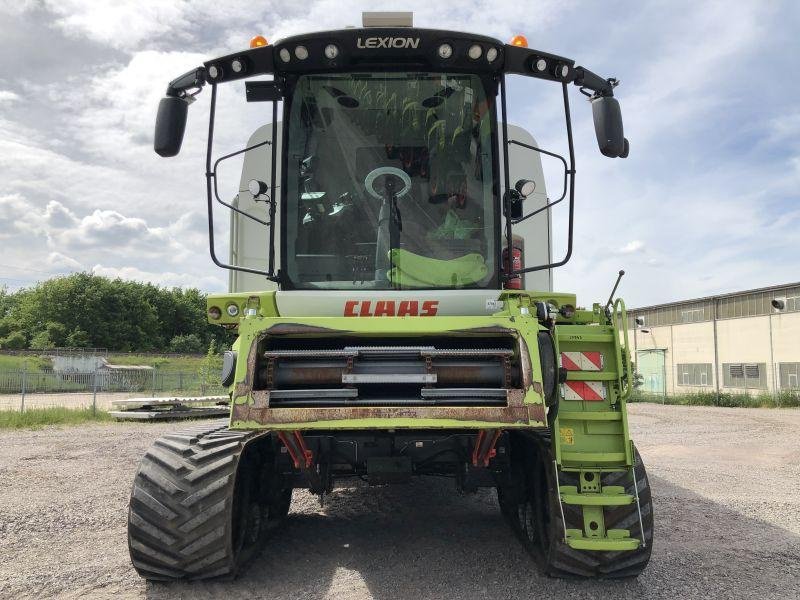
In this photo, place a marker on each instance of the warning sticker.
(567, 435)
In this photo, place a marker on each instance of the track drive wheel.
(538, 522)
(202, 503)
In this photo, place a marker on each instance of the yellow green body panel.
(588, 436)
(585, 434)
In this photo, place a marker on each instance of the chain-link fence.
(21, 389)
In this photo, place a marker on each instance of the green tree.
(83, 310)
(189, 343)
(41, 341)
(78, 339)
(208, 369)
(14, 341)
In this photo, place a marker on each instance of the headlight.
(445, 51)
(331, 51)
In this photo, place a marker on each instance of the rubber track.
(554, 556)
(179, 520)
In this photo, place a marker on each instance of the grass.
(36, 418)
(784, 399)
(165, 364)
(14, 362)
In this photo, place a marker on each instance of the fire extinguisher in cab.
(513, 283)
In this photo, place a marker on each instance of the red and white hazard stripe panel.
(591, 391)
(582, 361)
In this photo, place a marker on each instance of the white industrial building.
(743, 342)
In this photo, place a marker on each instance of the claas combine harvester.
(379, 254)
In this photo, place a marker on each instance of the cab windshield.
(390, 182)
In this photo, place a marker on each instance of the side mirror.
(170, 125)
(608, 127)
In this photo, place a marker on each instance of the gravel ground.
(727, 510)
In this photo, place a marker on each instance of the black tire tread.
(567, 562)
(552, 554)
(179, 519)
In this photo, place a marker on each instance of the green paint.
(593, 436)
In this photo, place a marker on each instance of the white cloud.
(118, 24)
(55, 239)
(61, 261)
(166, 278)
(8, 96)
(631, 247)
(702, 205)
(130, 24)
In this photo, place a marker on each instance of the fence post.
(24, 381)
(94, 392)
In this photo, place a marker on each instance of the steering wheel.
(369, 181)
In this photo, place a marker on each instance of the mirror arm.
(587, 80)
(210, 199)
(191, 80)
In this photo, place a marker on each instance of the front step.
(611, 496)
(616, 540)
(592, 505)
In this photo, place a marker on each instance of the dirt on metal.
(724, 482)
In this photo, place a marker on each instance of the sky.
(706, 203)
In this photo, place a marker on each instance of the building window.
(793, 303)
(789, 374)
(692, 315)
(698, 374)
(744, 375)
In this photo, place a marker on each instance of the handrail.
(619, 320)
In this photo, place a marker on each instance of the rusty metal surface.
(519, 415)
(493, 329)
(524, 362)
(515, 413)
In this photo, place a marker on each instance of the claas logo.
(390, 308)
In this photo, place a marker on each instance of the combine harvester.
(385, 325)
